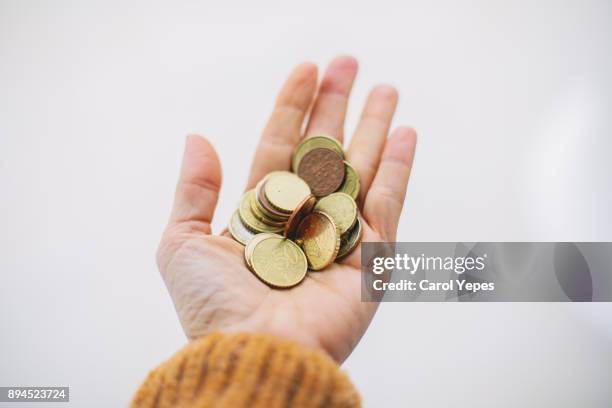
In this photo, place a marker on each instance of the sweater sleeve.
(254, 370)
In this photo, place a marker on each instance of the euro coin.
(278, 261)
(314, 142)
(351, 184)
(265, 206)
(259, 213)
(249, 219)
(341, 207)
(238, 230)
(350, 240)
(303, 209)
(284, 191)
(248, 249)
(318, 237)
(323, 170)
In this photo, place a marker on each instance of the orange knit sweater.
(240, 370)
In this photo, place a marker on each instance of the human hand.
(212, 288)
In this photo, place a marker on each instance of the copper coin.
(304, 208)
(323, 170)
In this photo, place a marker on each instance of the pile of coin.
(292, 222)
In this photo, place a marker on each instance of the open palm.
(206, 275)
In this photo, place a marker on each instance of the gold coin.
(350, 240)
(238, 230)
(319, 238)
(248, 249)
(351, 184)
(263, 202)
(249, 219)
(278, 261)
(265, 206)
(261, 215)
(341, 207)
(314, 142)
(285, 191)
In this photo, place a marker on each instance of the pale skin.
(206, 276)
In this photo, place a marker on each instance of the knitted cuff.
(255, 370)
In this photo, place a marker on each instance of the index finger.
(283, 130)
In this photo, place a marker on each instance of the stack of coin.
(292, 222)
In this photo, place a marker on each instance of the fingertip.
(306, 70)
(347, 62)
(192, 138)
(300, 86)
(385, 91)
(405, 132)
(200, 144)
(401, 144)
(339, 75)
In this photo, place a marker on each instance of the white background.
(512, 104)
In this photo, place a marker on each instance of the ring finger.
(369, 139)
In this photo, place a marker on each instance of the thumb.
(198, 186)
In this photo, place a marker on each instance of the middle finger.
(330, 106)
